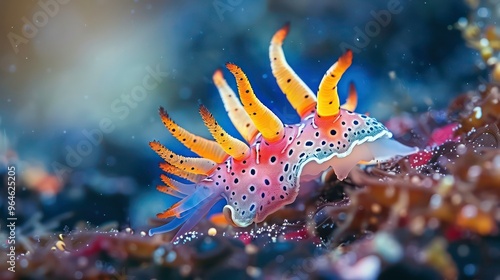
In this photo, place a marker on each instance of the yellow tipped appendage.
(328, 98)
(170, 169)
(203, 147)
(169, 191)
(171, 184)
(169, 187)
(235, 111)
(171, 212)
(188, 164)
(295, 90)
(352, 99)
(264, 119)
(234, 147)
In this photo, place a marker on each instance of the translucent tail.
(189, 210)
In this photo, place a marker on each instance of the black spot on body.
(309, 143)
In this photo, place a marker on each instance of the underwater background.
(76, 120)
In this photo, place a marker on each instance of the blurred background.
(81, 83)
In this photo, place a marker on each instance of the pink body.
(270, 177)
(259, 178)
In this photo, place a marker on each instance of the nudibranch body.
(260, 178)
